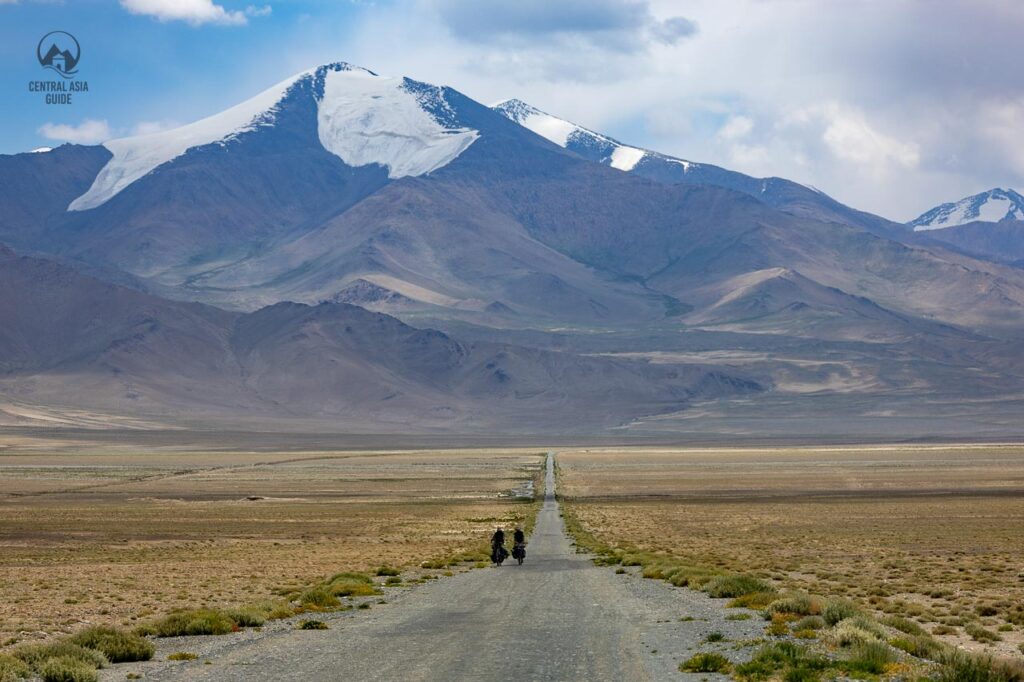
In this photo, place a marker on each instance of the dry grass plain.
(112, 533)
(932, 532)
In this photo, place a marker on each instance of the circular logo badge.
(59, 50)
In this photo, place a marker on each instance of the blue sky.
(888, 105)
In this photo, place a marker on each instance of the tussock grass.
(794, 661)
(193, 622)
(706, 663)
(871, 657)
(732, 586)
(37, 654)
(904, 625)
(837, 610)
(351, 584)
(13, 669)
(754, 600)
(980, 634)
(319, 597)
(182, 656)
(796, 604)
(67, 669)
(388, 571)
(312, 625)
(961, 666)
(116, 644)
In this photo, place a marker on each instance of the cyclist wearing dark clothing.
(519, 546)
(498, 551)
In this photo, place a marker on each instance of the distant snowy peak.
(587, 143)
(362, 117)
(992, 206)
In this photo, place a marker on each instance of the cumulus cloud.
(194, 12)
(89, 131)
(254, 11)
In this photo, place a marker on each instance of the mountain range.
(361, 252)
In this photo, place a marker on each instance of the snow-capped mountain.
(780, 193)
(992, 206)
(362, 118)
(576, 138)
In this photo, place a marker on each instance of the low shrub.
(871, 657)
(353, 585)
(848, 634)
(319, 597)
(117, 645)
(754, 600)
(980, 634)
(706, 663)
(389, 571)
(67, 669)
(798, 662)
(738, 616)
(733, 586)
(193, 622)
(797, 604)
(921, 646)
(182, 656)
(838, 610)
(312, 625)
(903, 625)
(248, 617)
(809, 623)
(13, 669)
(961, 666)
(715, 637)
(35, 654)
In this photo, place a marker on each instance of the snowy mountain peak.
(362, 118)
(992, 206)
(583, 141)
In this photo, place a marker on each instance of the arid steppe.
(115, 533)
(934, 533)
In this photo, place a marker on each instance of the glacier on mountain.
(362, 118)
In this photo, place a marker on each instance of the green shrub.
(837, 610)
(797, 604)
(980, 634)
(799, 662)
(35, 654)
(961, 666)
(706, 663)
(809, 623)
(13, 669)
(733, 586)
(248, 617)
(194, 622)
(903, 625)
(117, 645)
(738, 616)
(754, 600)
(871, 657)
(848, 634)
(320, 597)
(389, 571)
(921, 646)
(182, 656)
(312, 625)
(67, 669)
(353, 585)
(715, 636)
(801, 675)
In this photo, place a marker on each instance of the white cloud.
(850, 137)
(736, 127)
(89, 131)
(195, 12)
(254, 11)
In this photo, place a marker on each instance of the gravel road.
(556, 617)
